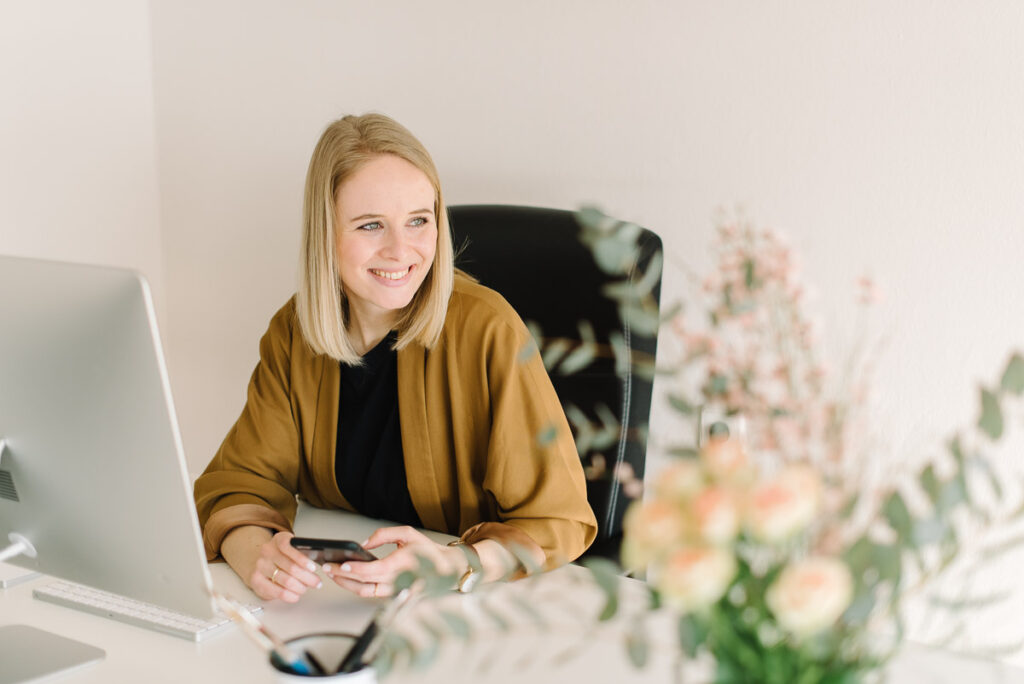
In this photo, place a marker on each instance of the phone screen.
(332, 550)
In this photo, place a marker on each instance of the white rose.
(810, 595)
(693, 578)
(784, 505)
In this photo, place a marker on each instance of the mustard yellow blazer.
(477, 416)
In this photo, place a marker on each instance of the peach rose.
(810, 595)
(725, 459)
(650, 529)
(679, 481)
(716, 515)
(693, 578)
(784, 505)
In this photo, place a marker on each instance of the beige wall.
(78, 176)
(881, 137)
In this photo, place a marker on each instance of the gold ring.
(273, 576)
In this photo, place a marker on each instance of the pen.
(280, 652)
(366, 645)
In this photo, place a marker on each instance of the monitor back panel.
(93, 473)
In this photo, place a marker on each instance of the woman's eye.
(418, 221)
(375, 225)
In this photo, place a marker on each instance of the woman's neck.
(367, 334)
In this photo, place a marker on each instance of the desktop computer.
(93, 483)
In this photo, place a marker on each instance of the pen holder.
(328, 649)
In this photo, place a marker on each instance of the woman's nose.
(395, 243)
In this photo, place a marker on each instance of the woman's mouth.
(391, 275)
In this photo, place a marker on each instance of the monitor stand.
(30, 654)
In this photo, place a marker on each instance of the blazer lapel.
(420, 463)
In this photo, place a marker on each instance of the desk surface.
(525, 653)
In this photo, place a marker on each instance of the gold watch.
(474, 573)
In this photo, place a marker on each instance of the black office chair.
(535, 259)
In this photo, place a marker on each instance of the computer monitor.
(92, 472)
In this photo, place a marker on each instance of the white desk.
(562, 652)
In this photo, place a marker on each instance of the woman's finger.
(293, 561)
(266, 589)
(364, 589)
(400, 535)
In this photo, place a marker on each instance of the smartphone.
(331, 550)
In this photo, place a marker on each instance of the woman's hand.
(269, 565)
(377, 578)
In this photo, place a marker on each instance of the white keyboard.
(134, 612)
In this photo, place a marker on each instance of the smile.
(391, 275)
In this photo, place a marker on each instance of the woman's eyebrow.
(363, 217)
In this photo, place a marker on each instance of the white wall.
(78, 175)
(883, 138)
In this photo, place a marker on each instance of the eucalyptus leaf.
(692, 634)
(998, 549)
(651, 277)
(553, 352)
(621, 351)
(643, 319)
(614, 254)
(929, 531)
(637, 647)
(578, 359)
(456, 624)
(898, 516)
(973, 602)
(991, 421)
(681, 404)
(930, 484)
(547, 435)
(1013, 376)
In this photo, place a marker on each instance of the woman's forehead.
(385, 185)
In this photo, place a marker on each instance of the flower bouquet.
(770, 537)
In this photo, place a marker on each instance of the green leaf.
(547, 435)
(930, 484)
(554, 351)
(651, 277)
(898, 516)
(953, 494)
(692, 634)
(623, 358)
(930, 531)
(643, 318)
(614, 254)
(1005, 546)
(637, 647)
(749, 271)
(991, 421)
(972, 602)
(1013, 376)
(578, 359)
(455, 623)
(680, 404)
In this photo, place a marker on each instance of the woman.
(394, 386)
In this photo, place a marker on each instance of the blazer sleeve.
(253, 478)
(533, 471)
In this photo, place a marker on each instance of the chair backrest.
(535, 259)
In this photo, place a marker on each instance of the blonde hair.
(321, 303)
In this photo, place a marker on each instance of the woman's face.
(386, 236)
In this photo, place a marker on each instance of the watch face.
(469, 581)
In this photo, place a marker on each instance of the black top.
(368, 461)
